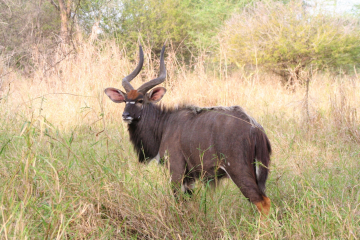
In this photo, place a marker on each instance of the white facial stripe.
(130, 102)
(128, 120)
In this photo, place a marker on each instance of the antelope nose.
(125, 115)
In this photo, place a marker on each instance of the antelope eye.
(140, 101)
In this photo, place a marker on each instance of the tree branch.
(56, 6)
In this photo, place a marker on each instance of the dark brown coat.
(198, 142)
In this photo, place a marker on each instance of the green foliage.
(207, 17)
(356, 9)
(188, 25)
(154, 21)
(50, 20)
(283, 38)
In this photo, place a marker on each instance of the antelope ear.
(156, 94)
(115, 95)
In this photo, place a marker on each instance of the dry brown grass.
(52, 127)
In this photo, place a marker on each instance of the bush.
(189, 25)
(26, 27)
(286, 40)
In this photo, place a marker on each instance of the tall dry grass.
(68, 170)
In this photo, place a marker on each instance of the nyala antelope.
(212, 142)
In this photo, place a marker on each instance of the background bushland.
(287, 39)
(284, 37)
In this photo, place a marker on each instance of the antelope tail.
(262, 159)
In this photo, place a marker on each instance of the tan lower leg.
(264, 207)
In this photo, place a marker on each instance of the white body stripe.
(257, 170)
(183, 189)
(226, 172)
(157, 158)
(186, 186)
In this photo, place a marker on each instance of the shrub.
(189, 25)
(285, 39)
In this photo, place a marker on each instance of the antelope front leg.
(176, 184)
(177, 171)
